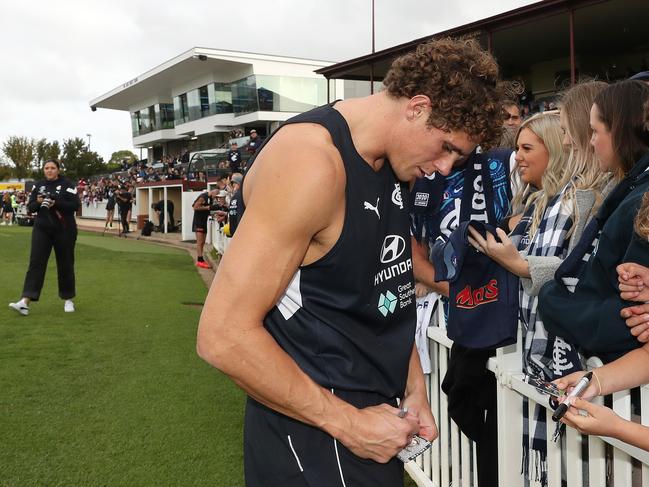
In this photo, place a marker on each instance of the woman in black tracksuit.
(54, 200)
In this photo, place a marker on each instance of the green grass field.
(114, 394)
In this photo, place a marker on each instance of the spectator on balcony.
(184, 156)
(234, 158)
(253, 143)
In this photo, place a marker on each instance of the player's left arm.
(416, 398)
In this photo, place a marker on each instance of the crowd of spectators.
(11, 204)
(169, 168)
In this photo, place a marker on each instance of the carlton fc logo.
(468, 298)
(393, 247)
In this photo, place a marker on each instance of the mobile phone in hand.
(417, 446)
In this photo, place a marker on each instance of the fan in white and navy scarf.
(544, 355)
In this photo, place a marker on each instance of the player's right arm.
(293, 195)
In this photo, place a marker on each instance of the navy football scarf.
(483, 199)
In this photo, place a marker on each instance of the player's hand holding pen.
(380, 432)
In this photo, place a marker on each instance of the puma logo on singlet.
(370, 206)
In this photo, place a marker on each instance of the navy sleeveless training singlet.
(348, 320)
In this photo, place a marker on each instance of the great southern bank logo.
(387, 303)
(393, 247)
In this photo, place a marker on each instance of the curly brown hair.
(461, 80)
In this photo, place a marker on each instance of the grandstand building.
(547, 45)
(194, 101)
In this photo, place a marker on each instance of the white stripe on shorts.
(340, 469)
(299, 464)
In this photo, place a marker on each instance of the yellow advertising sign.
(12, 186)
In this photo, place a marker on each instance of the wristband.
(599, 384)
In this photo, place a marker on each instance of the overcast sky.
(58, 55)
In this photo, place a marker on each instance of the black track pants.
(43, 240)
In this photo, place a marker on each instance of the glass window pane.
(135, 128)
(166, 116)
(290, 94)
(222, 98)
(194, 103)
(204, 101)
(152, 119)
(244, 96)
(145, 124)
(181, 112)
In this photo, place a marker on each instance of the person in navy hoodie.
(582, 304)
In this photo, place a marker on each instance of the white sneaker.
(23, 309)
(68, 307)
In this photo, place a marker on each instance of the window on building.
(244, 96)
(135, 124)
(166, 115)
(204, 101)
(290, 94)
(152, 119)
(145, 123)
(194, 104)
(222, 98)
(181, 109)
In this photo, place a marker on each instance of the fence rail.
(576, 461)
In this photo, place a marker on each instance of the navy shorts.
(282, 452)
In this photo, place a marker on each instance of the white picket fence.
(216, 237)
(451, 461)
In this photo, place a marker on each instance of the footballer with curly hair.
(312, 310)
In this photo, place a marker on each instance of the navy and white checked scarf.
(544, 355)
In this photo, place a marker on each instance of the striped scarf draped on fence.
(544, 355)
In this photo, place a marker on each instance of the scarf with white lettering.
(477, 191)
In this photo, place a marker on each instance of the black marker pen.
(576, 392)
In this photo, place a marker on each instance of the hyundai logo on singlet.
(393, 247)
